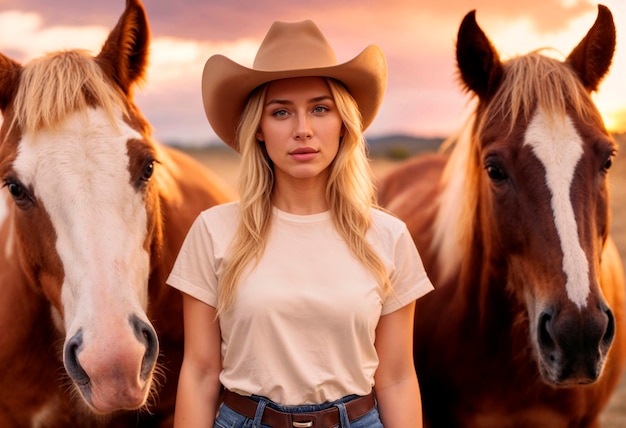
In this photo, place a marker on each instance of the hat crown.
(294, 46)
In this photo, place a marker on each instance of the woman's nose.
(303, 135)
(303, 128)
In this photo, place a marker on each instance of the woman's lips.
(303, 154)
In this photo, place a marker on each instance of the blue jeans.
(228, 418)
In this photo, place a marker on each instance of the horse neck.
(468, 259)
(456, 210)
(482, 279)
(186, 188)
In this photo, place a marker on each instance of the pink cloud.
(418, 38)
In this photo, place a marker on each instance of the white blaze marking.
(559, 147)
(80, 173)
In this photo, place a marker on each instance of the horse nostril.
(544, 333)
(145, 334)
(70, 359)
(609, 333)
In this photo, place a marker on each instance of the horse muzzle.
(573, 344)
(114, 376)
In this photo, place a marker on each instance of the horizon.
(619, 136)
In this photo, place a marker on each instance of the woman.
(298, 299)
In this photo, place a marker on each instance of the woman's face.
(301, 128)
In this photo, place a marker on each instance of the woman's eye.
(320, 109)
(280, 113)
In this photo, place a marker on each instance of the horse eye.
(19, 194)
(148, 171)
(495, 173)
(16, 191)
(608, 164)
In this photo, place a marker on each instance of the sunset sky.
(418, 37)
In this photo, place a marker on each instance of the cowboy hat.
(296, 49)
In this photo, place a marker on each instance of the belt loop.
(344, 421)
(259, 412)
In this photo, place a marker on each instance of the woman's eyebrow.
(312, 100)
(321, 98)
(278, 101)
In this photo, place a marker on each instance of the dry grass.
(225, 163)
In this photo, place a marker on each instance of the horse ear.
(124, 55)
(592, 57)
(9, 78)
(477, 60)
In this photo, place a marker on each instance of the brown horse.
(526, 326)
(92, 215)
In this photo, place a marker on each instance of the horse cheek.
(45, 269)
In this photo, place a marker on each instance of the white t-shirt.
(302, 328)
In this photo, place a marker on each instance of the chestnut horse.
(525, 327)
(92, 215)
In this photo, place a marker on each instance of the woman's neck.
(302, 197)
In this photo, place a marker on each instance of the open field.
(225, 163)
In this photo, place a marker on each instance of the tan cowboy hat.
(296, 49)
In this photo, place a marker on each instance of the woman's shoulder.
(387, 220)
(222, 214)
(386, 228)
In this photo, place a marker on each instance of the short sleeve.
(408, 276)
(195, 270)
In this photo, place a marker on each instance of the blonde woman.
(298, 298)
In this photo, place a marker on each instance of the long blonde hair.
(350, 193)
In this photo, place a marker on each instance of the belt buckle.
(307, 424)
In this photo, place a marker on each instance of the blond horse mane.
(529, 82)
(59, 84)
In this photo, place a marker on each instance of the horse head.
(538, 192)
(78, 162)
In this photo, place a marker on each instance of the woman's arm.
(397, 390)
(199, 387)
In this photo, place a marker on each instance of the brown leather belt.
(326, 418)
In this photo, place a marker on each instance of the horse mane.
(537, 81)
(529, 82)
(62, 83)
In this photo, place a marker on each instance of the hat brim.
(226, 86)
